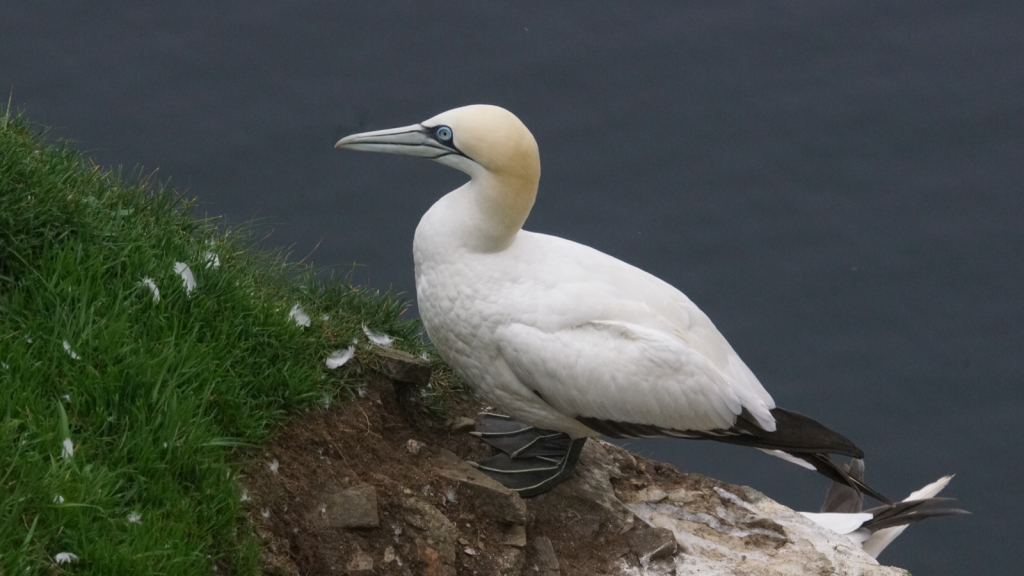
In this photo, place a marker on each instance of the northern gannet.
(568, 340)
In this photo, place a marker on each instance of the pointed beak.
(412, 140)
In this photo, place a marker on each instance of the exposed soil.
(367, 442)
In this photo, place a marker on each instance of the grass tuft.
(122, 415)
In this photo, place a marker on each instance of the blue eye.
(443, 133)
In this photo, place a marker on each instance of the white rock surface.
(729, 530)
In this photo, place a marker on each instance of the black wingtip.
(827, 467)
(843, 498)
(796, 432)
(909, 512)
(865, 489)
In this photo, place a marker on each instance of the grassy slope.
(163, 392)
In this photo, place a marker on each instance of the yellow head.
(486, 142)
(480, 140)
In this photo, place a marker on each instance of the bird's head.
(479, 140)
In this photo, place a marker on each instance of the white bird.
(873, 530)
(568, 340)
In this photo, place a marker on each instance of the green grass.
(163, 394)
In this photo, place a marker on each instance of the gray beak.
(412, 140)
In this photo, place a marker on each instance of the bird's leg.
(530, 460)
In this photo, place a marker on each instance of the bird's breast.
(461, 306)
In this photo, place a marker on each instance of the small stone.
(414, 446)
(462, 424)
(349, 508)
(389, 554)
(515, 536)
(650, 494)
(360, 565)
(545, 560)
(403, 367)
(463, 541)
(436, 545)
(486, 494)
(509, 561)
(682, 496)
(470, 552)
(592, 482)
(651, 543)
(751, 495)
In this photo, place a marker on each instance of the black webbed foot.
(519, 440)
(530, 460)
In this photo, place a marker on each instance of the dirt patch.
(364, 442)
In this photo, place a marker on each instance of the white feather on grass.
(67, 448)
(67, 348)
(66, 558)
(211, 259)
(340, 357)
(300, 317)
(188, 280)
(377, 338)
(148, 283)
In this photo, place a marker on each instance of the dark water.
(839, 185)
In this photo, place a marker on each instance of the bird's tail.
(888, 521)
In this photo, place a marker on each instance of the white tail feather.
(879, 540)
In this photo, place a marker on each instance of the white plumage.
(548, 329)
(561, 336)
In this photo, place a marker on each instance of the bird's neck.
(502, 203)
(482, 216)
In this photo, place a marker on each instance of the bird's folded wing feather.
(624, 372)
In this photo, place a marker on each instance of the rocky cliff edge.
(375, 486)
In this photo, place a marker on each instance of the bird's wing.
(627, 373)
(578, 284)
